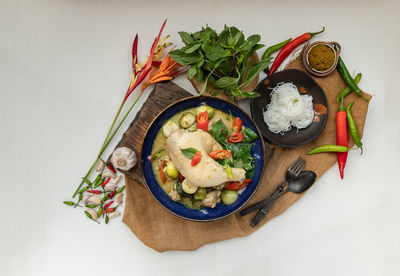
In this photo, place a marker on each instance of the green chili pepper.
(120, 189)
(329, 148)
(228, 171)
(70, 203)
(106, 219)
(353, 127)
(105, 197)
(270, 50)
(80, 198)
(92, 205)
(99, 211)
(84, 189)
(341, 67)
(87, 181)
(347, 90)
(90, 216)
(97, 181)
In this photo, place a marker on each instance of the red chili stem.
(285, 52)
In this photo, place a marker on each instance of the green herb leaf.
(219, 131)
(182, 58)
(186, 38)
(193, 48)
(254, 70)
(189, 152)
(225, 83)
(215, 53)
(192, 71)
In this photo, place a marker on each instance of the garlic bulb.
(110, 187)
(124, 158)
(100, 165)
(114, 214)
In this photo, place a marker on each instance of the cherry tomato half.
(202, 121)
(238, 185)
(237, 124)
(235, 138)
(220, 154)
(196, 158)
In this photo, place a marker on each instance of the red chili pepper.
(285, 52)
(94, 192)
(111, 195)
(237, 124)
(108, 204)
(196, 158)
(109, 210)
(220, 154)
(235, 138)
(341, 137)
(162, 175)
(111, 169)
(238, 185)
(202, 121)
(105, 182)
(180, 177)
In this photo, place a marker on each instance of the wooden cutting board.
(162, 96)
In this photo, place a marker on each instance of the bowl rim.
(260, 135)
(306, 140)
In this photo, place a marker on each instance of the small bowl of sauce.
(320, 58)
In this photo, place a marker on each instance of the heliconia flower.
(168, 68)
(134, 54)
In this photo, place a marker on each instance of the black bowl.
(293, 137)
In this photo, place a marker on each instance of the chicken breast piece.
(208, 172)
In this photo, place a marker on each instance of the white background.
(64, 66)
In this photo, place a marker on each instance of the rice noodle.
(288, 108)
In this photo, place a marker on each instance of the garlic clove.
(100, 165)
(92, 212)
(116, 180)
(95, 199)
(118, 198)
(124, 158)
(110, 187)
(85, 199)
(108, 173)
(114, 214)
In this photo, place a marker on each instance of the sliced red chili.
(202, 121)
(238, 185)
(235, 138)
(196, 158)
(220, 154)
(162, 175)
(180, 177)
(237, 124)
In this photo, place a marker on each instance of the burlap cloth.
(162, 231)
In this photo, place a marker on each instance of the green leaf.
(216, 52)
(189, 152)
(254, 70)
(251, 94)
(193, 48)
(182, 58)
(219, 131)
(225, 83)
(238, 39)
(199, 75)
(192, 71)
(186, 38)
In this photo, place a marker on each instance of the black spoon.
(298, 185)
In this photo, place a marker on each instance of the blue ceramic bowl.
(204, 214)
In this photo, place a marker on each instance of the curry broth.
(160, 142)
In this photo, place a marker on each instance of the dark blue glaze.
(221, 210)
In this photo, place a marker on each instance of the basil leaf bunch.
(221, 59)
